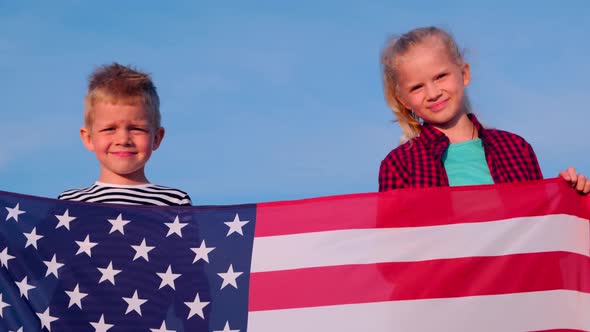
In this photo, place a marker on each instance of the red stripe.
(558, 330)
(419, 280)
(437, 206)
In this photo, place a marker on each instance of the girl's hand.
(578, 181)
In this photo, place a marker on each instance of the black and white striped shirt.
(143, 194)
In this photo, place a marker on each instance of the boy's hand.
(578, 181)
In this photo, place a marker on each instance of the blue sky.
(268, 100)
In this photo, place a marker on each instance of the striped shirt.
(143, 194)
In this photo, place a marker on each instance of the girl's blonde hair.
(397, 46)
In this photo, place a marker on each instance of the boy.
(122, 128)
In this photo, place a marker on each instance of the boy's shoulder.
(145, 194)
(165, 189)
(72, 194)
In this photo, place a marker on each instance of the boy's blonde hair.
(116, 84)
(397, 46)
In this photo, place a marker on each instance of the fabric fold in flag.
(485, 258)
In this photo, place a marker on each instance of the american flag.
(510, 257)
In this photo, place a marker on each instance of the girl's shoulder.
(493, 135)
(406, 151)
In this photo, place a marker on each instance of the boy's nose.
(123, 137)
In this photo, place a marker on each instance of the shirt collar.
(481, 131)
(429, 134)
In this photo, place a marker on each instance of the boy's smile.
(124, 154)
(122, 137)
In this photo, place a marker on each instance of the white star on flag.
(24, 287)
(202, 252)
(118, 224)
(142, 251)
(175, 227)
(86, 246)
(52, 266)
(2, 305)
(19, 330)
(196, 307)
(168, 278)
(101, 326)
(229, 277)
(134, 303)
(226, 328)
(32, 238)
(108, 273)
(162, 328)
(46, 319)
(64, 220)
(236, 225)
(5, 257)
(76, 297)
(14, 212)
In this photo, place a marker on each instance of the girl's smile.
(439, 106)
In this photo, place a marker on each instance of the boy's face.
(123, 138)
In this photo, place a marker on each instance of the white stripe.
(144, 194)
(363, 246)
(559, 309)
(135, 199)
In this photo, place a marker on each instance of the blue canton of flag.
(70, 266)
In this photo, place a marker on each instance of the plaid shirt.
(419, 164)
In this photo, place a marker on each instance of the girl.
(443, 144)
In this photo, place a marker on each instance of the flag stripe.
(361, 246)
(398, 208)
(560, 309)
(457, 277)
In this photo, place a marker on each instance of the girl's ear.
(401, 101)
(466, 74)
(158, 136)
(86, 139)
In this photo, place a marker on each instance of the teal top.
(466, 164)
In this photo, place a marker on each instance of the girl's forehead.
(425, 54)
(431, 46)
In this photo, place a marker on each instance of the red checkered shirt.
(419, 164)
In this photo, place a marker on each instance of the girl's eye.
(415, 88)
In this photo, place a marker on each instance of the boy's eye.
(139, 129)
(107, 129)
(442, 75)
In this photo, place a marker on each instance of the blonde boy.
(122, 128)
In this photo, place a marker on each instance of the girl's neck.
(460, 131)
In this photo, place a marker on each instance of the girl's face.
(431, 84)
